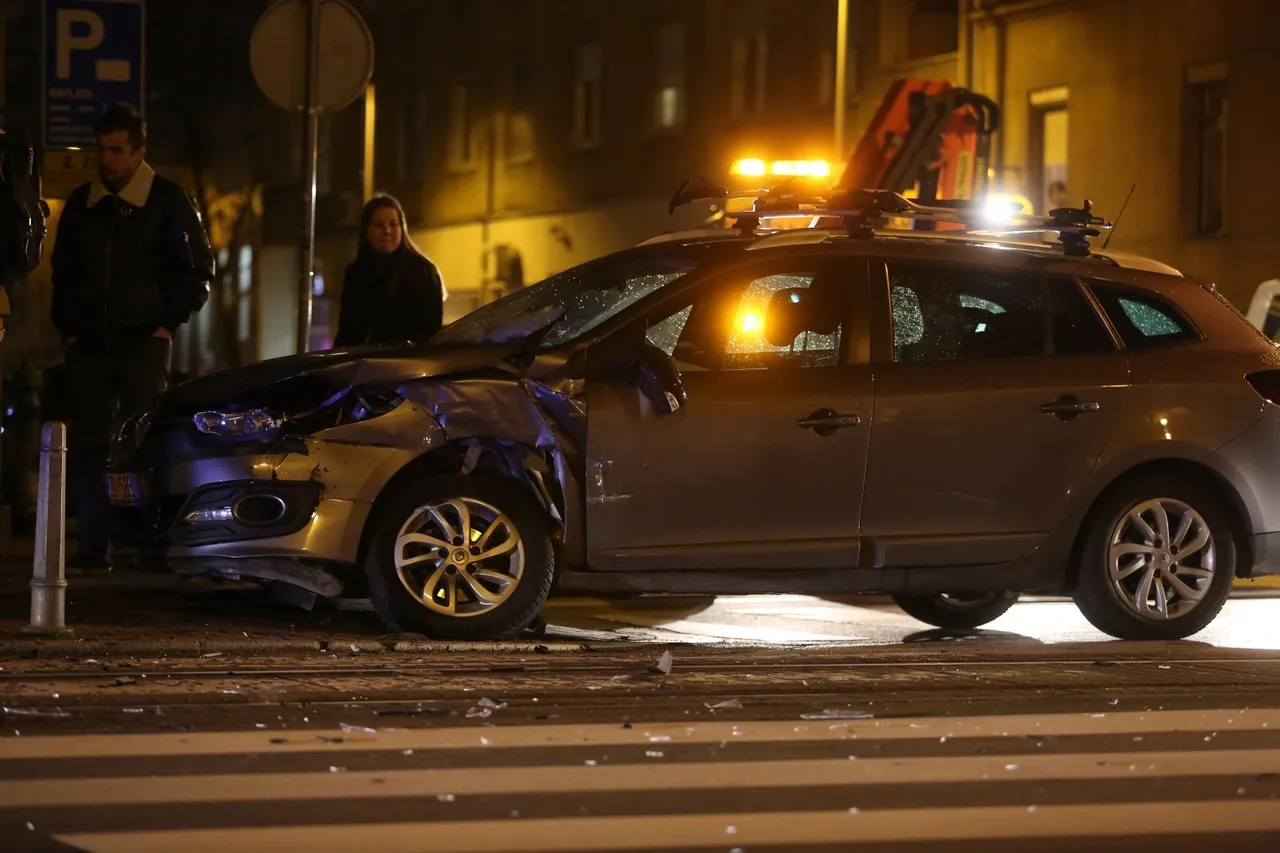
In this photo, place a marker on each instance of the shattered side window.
(792, 320)
(763, 325)
(1143, 319)
(1150, 321)
(566, 306)
(666, 333)
(947, 314)
(908, 321)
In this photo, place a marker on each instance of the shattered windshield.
(566, 306)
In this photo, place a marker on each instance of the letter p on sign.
(69, 40)
(104, 70)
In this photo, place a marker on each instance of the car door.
(993, 404)
(762, 467)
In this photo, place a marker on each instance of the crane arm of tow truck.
(930, 133)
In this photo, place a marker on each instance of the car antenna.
(1116, 224)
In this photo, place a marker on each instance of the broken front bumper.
(252, 510)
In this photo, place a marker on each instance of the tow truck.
(929, 141)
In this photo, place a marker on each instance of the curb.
(26, 649)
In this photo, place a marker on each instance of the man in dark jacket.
(131, 263)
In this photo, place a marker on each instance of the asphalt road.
(780, 724)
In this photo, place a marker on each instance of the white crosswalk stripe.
(1066, 791)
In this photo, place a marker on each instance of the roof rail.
(861, 212)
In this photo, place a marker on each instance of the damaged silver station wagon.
(948, 417)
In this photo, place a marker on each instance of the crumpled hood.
(357, 366)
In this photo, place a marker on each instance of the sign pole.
(286, 38)
(842, 76)
(311, 137)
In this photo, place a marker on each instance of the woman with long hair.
(391, 292)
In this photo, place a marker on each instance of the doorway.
(1049, 146)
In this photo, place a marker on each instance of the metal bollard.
(49, 579)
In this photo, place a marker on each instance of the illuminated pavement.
(1251, 620)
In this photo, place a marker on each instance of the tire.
(956, 612)
(508, 609)
(1097, 595)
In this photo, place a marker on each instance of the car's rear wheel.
(954, 610)
(460, 558)
(1157, 561)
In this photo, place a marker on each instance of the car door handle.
(828, 421)
(1069, 406)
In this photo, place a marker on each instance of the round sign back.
(278, 54)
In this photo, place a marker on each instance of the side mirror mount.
(658, 378)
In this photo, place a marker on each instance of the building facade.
(1140, 90)
(525, 136)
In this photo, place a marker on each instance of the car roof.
(966, 245)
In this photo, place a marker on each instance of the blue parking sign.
(93, 58)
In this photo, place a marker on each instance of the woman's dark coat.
(390, 298)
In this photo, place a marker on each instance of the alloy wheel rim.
(461, 557)
(1161, 559)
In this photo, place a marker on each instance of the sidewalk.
(159, 614)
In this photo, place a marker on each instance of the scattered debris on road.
(725, 705)
(838, 714)
(663, 666)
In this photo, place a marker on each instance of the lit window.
(669, 106)
(668, 55)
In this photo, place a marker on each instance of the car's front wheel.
(1157, 561)
(956, 611)
(460, 558)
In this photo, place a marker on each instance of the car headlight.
(251, 423)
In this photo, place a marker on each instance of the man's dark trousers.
(106, 389)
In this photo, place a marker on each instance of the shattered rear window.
(567, 306)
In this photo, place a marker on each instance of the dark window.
(1142, 319)
(416, 130)
(749, 70)
(520, 133)
(1208, 104)
(775, 321)
(945, 314)
(586, 96)
(461, 128)
(934, 28)
(1077, 328)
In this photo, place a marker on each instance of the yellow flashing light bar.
(753, 168)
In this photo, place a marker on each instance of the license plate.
(129, 489)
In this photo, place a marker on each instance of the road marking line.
(729, 830)
(656, 776)
(457, 737)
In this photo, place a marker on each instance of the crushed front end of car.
(271, 472)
